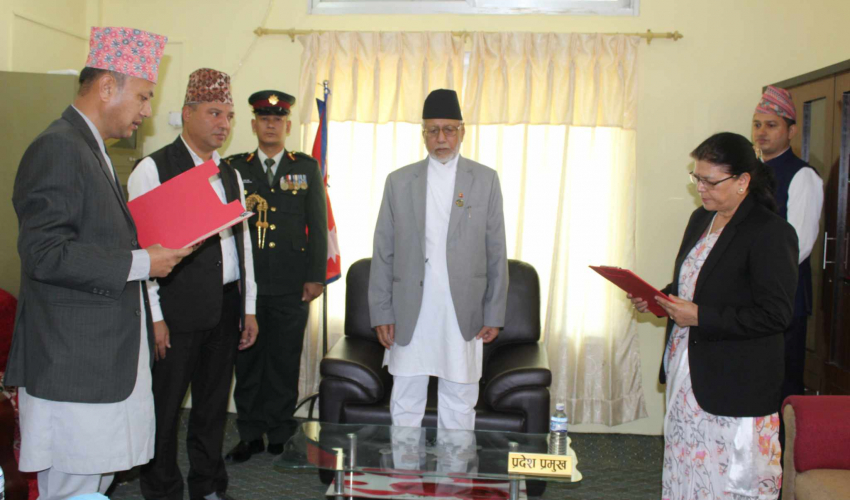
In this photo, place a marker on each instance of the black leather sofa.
(514, 395)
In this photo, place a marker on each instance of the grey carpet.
(613, 466)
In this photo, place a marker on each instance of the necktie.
(269, 172)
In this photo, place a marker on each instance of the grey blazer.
(77, 330)
(475, 250)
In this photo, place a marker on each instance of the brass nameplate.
(340, 458)
(540, 464)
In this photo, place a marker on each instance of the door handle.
(825, 239)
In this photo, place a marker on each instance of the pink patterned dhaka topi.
(777, 101)
(208, 85)
(126, 50)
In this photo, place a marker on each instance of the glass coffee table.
(378, 461)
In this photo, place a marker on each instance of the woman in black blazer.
(731, 298)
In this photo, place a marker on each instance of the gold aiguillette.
(262, 206)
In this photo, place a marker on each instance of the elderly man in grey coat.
(439, 276)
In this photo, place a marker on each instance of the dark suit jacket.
(745, 293)
(77, 332)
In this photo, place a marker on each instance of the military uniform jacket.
(296, 241)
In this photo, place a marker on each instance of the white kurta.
(805, 201)
(81, 438)
(437, 348)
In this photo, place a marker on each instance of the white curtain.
(377, 77)
(554, 114)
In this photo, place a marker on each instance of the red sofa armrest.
(16, 486)
(8, 304)
(822, 438)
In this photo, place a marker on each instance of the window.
(587, 7)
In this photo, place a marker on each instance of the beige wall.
(41, 35)
(35, 36)
(707, 82)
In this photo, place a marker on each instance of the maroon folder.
(633, 284)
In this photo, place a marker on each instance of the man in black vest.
(799, 196)
(200, 309)
(290, 254)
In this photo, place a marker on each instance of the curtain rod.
(292, 33)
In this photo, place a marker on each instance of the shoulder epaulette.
(298, 155)
(239, 156)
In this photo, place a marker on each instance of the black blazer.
(78, 321)
(745, 293)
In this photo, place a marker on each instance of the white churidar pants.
(455, 409)
(55, 485)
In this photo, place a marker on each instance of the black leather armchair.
(514, 396)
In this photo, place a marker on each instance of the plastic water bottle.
(558, 431)
(2, 485)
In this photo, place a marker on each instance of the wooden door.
(815, 103)
(836, 374)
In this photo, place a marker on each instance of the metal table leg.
(339, 483)
(514, 489)
(513, 446)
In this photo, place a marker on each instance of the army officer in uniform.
(290, 240)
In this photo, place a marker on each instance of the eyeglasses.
(695, 179)
(448, 131)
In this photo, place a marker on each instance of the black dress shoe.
(275, 448)
(243, 451)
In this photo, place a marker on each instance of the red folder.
(633, 284)
(184, 210)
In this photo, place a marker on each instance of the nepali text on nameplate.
(540, 464)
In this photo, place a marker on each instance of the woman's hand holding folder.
(641, 305)
(683, 312)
